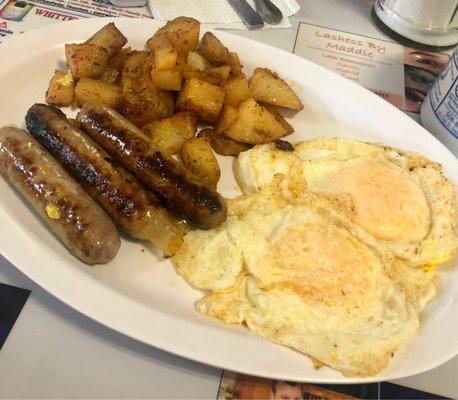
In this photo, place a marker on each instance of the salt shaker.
(424, 24)
(439, 111)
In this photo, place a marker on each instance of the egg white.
(295, 269)
(401, 198)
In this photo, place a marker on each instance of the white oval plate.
(140, 294)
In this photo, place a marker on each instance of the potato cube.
(254, 125)
(109, 37)
(164, 59)
(111, 76)
(169, 79)
(133, 73)
(226, 118)
(202, 76)
(169, 134)
(159, 41)
(117, 61)
(182, 60)
(213, 50)
(198, 157)
(234, 62)
(180, 34)
(221, 144)
(143, 105)
(267, 87)
(279, 118)
(89, 90)
(61, 89)
(183, 33)
(237, 90)
(220, 74)
(195, 62)
(202, 98)
(216, 76)
(86, 60)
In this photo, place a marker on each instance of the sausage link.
(68, 210)
(137, 211)
(175, 187)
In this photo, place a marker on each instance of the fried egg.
(295, 268)
(400, 198)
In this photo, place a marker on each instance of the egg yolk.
(325, 262)
(389, 205)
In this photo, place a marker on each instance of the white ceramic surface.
(140, 294)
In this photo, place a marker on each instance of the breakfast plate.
(139, 293)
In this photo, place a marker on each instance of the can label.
(443, 96)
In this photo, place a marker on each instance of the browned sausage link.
(68, 210)
(176, 188)
(115, 189)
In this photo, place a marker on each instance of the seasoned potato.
(213, 50)
(111, 76)
(89, 90)
(61, 89)
(219, 74)
(198, 157)
(117, 61)
(267, 87)
(142, 101)
(164, 59)
(182, 60)
(216, 76)
(143, 106)
(202, 98)
(133, 73)
(202, 76)
(86, 60)
(254, 125)
(237, 90)
(234, 62)
(169, 134)
(109, 37)
(168, 79)
(195, 62)
(226, 118)
(279, 118)
(221, 144)
(159, 41)
(182, 33)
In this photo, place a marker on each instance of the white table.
(55, 352)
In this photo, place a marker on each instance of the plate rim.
(166, 346)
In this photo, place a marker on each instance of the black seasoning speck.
(284, 145)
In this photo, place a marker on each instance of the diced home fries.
(178, 84)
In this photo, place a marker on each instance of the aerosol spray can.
(439, 111)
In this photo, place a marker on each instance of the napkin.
(217, 13)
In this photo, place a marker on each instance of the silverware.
(249, 17)
(268, 11)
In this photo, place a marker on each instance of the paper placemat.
(238, 386)
(12, 300)
(398, 74)
(21, 16)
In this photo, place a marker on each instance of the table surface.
(55, 352)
